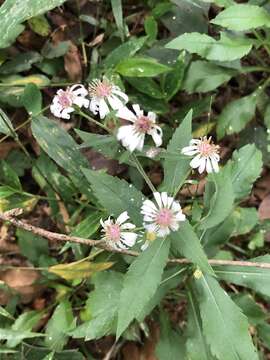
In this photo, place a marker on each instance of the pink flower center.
(206, 148)
(113, 232)
(164, 217)
(65, 98)
(100, 89)
(143, 124)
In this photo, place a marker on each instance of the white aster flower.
(62, 104)
(105, 96)
(115, 233)
(162, 216)
(132, 136)
(207, 154)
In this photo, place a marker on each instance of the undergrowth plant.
(123, 249)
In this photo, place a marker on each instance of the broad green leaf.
(17, 335)
(141, 282)
(21, 62)
(204, 76)
(170, 345)
(196, 346)
(102, 306)
(221, 3)
(245, 219)
(61, 147)
(116, 195)
(185, 242)
(141, 67)
(32, 99)
(150, 104)
(151, 28)
(146, 86)
(177, 168)
(264, 334)
(6, 126)
(79, 269)
(173, 81)
(255, 278)
(61, 322)
(14, 12)
(241, 17)
(128, 49)
(224, 49)
(25, 322)
(254, 312)
(231, 341)
(118, 15)
(5, 313)
(9, 177)
(236, 115)
(218, 201)
(32, 246)
(171, 279)
(40, 25)
(244, 176)
(88, 226)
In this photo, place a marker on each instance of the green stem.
(142, 172)
(89, 118)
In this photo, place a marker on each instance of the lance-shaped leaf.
(224, 49)
(170, 345)
(61, 147)
(6, 126)
(185, 242)
(176, 165)
(141, 282)
(102, 306)
(241, 17)
(218, 201)
(116, 195)
(244, 176)
(255, 278)
(196, 346)
(224, 325)
(14, 12)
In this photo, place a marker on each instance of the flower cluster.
(160, 218)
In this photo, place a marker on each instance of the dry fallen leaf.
(73, 64)
(264, 208)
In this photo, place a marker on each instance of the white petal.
(137, 109)
(209, 168)
(94, 106)
(158, 199)
(145, 246)
(164, 198)
(152, 116)
(129, 238)
(162, 232)
(174, 226)
(202, 165)
(176, 206)
(103, 109)
(150, 204)
(122, 218)
(196, 162)
(215, 166)
(189, 150)
(125, 113)
(156, 134)
(180, 216)
(152, 228)
(115, 102)
(120, 93)
(127, 226)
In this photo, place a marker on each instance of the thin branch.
(11, 216)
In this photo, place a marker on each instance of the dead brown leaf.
(264, 208)
(73, 64)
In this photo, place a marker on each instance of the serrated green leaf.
(170, 345)
(253, 311)
(241, 17)
(32, 99)
(32, 246)
(118, 15)
(141, 67)
(61, 322)
(218, 201)
(17, 335)
(245, 219)
(146, 86)
(255, 278)
(116, 195)
(102, 306)
(236, 115)
(61, 147)
(204, 76)
(14, 12)
(224, 49)
(176, 169)
(9, 177)
(185, 242)
(196, 346)
(231, 341)
(244, 176)
(141, 282)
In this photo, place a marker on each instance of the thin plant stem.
(143, 173)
